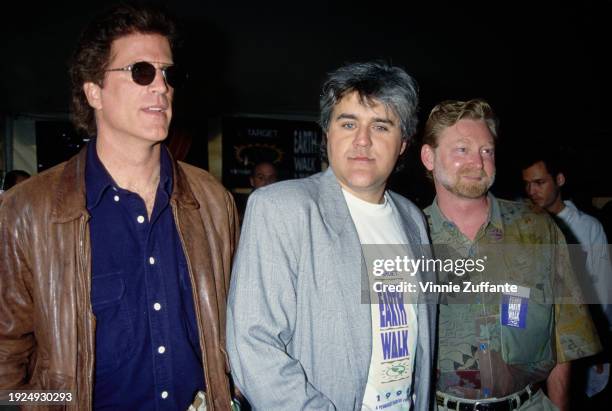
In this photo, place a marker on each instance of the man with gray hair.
(299, 334)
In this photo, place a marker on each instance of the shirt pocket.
(533, 343)
(114, 328)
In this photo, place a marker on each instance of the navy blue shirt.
(147, 347)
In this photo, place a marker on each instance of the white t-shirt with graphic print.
(394, 323)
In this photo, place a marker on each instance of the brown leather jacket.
(47, 328)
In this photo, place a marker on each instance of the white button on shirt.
(157, 306)
(116, 198)
(164, 394)
(161, 349)
(140, 219)
(151, 260)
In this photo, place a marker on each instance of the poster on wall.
(293, 146)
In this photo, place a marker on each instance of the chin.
(157, 136)
(360, 181)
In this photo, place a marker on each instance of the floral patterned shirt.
(480, 356)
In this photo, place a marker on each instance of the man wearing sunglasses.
(114, 265)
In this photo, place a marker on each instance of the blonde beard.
(473, 190)
(464, 189)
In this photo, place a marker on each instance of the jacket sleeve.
(16, 305)
(262, 312)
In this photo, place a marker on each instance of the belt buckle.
(476, 405)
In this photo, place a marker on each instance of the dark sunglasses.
(143, 73)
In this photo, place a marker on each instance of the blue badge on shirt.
(514, 308)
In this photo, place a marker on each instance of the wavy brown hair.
(92, 54)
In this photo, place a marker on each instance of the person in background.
(544, 178)
(262, 174)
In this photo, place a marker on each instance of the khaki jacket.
(47, 327)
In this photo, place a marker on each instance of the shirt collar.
(495, 217)
(569, 209)
(165, 171)
(98, 180)
(439, 220)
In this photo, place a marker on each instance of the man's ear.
(92, 92)
(403, 147)
(427, 156)
(560, 179)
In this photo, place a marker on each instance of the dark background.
(543, 66)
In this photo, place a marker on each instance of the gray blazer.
(298, 336)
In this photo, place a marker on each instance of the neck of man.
(557, 206)
(468, 214)
(134, 167)
(374, 196)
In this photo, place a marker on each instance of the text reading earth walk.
(393, 325)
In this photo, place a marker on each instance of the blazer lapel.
(349, 279)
